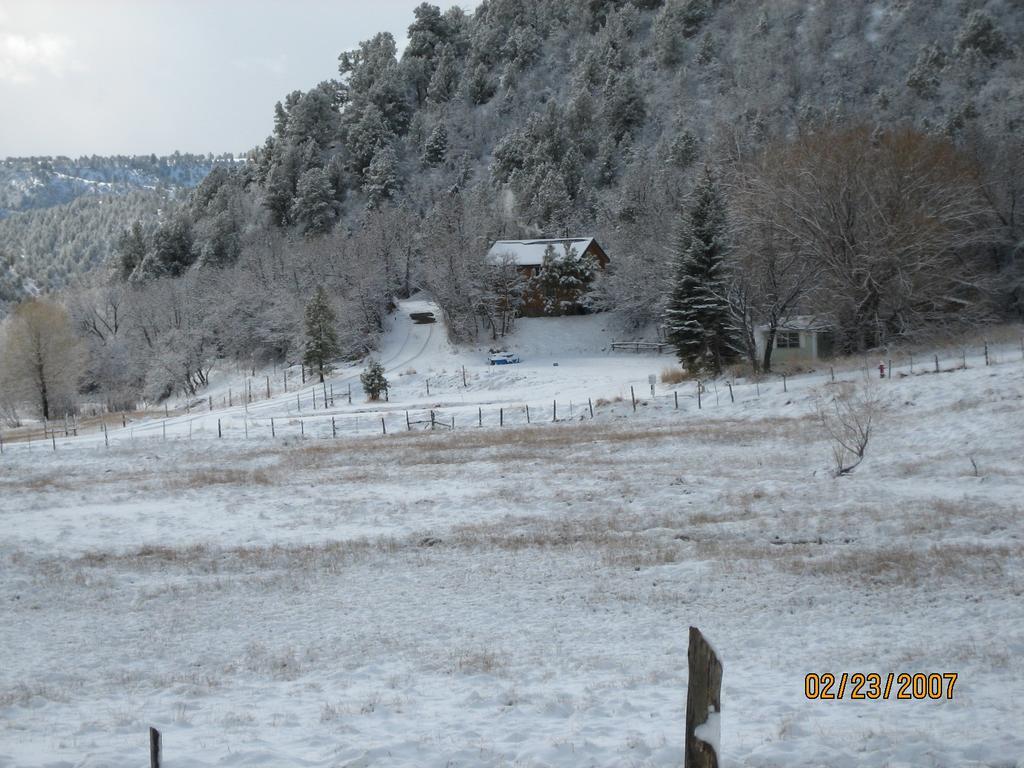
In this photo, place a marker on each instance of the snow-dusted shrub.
(848, 418)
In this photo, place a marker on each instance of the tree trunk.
(769, 344)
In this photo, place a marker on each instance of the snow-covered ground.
(518, 596)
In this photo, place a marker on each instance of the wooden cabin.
(528, 257)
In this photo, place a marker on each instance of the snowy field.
(518, 596)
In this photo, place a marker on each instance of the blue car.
(503, 359)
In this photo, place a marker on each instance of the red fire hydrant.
(881, 370)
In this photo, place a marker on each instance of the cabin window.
(787, 340)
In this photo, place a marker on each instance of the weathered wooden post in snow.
(155, 749)
(703, 704)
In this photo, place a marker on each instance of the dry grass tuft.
(674, 375)
(205, 478)
(478, 661)
(908, 567)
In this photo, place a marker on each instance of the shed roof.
(530, 253)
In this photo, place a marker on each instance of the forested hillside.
(867, 156)
(30, 183)
(62, 217)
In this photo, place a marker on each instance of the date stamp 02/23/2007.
(873, 686)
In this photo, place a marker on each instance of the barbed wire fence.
(316, 417)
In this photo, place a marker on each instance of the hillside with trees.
(868, 158)
(62, 217)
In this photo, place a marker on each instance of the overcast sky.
(82, 77)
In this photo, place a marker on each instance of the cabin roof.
(530, 253)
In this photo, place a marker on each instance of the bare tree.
(43, 359)
(773, 275)
(504, 288)
(1001, 159)
(848, 418)
(893, 221)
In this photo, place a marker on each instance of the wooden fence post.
(698, 395)
(554, 410)
(703, 703)
(302, 428)
(268, 387)
(832, 373)
(408, 424)
(501, 417)
(785, 386)
(273, 432)
(632, 396)
(963, 357)
(527, 413)
(334, 428)
(479, 417)
(155, 748)
(432, 420)
(124, 420)
(676, 396)
(464, 376)
(889, 368)
(350, 394)
(219, 433)
(731, 398)
(986, 353)
(298, 402)
(383, 426)
(936, 363)
(590, 404)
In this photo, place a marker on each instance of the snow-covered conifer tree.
(321, 334)
(698, 317)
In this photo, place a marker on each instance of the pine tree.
(373, 380)
(321, 334)
(445, 78)
(131, 250)
(436, 149)
(479, 88)
(381, 179)
(698, 317)
(313, 206)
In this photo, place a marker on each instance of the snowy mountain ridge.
(31, 183)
